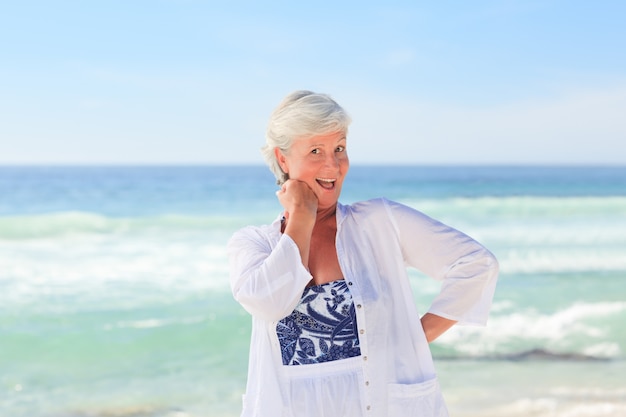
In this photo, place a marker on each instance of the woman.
(335, 331)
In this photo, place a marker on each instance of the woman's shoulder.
(377, 209)
(372, 205)
(263, 232)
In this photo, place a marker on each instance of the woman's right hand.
(300, 203)
(297, 198)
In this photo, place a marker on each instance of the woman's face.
(321, 162)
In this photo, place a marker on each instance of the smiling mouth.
(326, 183)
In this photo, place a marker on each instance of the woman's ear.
(282, 161)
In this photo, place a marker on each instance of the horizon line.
(356, 164)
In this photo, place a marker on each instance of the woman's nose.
(332, 160)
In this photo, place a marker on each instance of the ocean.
(115, 301)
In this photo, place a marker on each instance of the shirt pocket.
(421, 399)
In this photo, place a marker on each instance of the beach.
(115, 300)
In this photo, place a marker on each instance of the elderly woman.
(335, 331)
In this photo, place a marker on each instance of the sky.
(425, 82)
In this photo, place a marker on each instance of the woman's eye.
(315, 151)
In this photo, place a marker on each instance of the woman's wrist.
(434, 326)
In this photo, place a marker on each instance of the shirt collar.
(341, 214)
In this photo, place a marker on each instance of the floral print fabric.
(321, 328)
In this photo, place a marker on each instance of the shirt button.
(362, 331)
(349, 282)
(359, 306)
(364, 358)
(369, 408)
(367, 383)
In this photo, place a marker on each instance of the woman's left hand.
(434, 326)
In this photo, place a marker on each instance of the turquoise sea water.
(114, 297)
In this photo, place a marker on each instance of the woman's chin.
(327, 202)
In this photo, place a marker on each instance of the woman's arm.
(467, 270)
(267, 278)
(434, 326)
(300, 204)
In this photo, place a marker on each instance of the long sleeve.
(266, 273)
(468, 271)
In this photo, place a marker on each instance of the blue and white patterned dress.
(321, 328)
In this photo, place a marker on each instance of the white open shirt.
(376, 241)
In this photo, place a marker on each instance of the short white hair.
(302, 114)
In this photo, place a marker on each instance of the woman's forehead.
(323, 138)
